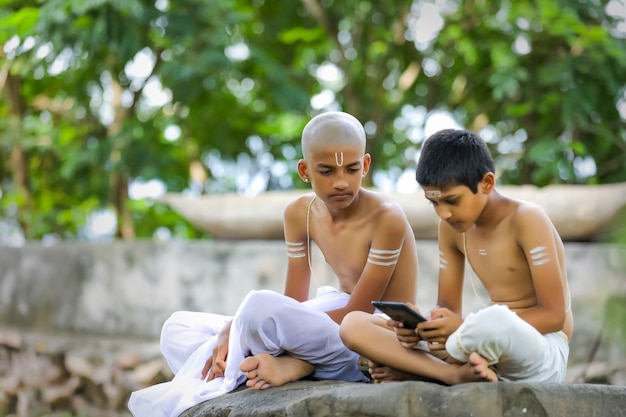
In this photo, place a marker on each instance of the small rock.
(146, 374)
(55, 395)
(10, 338)
(128, 360)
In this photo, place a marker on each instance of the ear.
(488, 183)
(367, 160)
(303, 171)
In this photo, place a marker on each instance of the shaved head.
(332, 129)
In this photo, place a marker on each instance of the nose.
(443, 213)
(340, 181)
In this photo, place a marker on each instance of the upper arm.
(451, 269)
(541, 246)
(297, 248)
(385, 251)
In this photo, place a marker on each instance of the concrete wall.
(129, 289)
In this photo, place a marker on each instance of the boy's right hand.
(215, 366)
(443, 322)
(408, 338)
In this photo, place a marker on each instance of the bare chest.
(501, 266)
(345, 248)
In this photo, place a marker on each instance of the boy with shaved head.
(275, 338)
(522, 332)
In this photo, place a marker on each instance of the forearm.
(337, 315)
(543, 319)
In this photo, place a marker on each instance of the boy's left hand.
(443, 322)
(408, 338)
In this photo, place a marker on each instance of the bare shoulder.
(385, 202)
(298, 205)
(532, 225)
(530, 214)
(385, 209)
(294, 215)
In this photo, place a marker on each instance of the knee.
(262, 297)
(170, 332)
(495, 317)
(490, 322)
(173, 325)
(259, 305)
(351, 328)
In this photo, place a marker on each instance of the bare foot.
(381, 374)
(265, 371)
(476, 369)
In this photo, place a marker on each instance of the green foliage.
(615, 317)
(542, 78)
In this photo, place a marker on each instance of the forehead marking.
(337, 159)
(436, 193)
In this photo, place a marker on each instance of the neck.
(492, 212)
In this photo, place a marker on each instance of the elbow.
(556, 321)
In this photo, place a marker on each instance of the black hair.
(453, 157)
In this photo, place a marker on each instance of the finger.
(207, 367)
(438, 312)
(433, 323)
(436, 346)
(218, 369)
(395, 324)
(221, 366)
(414, 307)
(408, 339)
(215, 373)
(405, 332)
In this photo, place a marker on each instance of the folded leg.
(273, 323)
(510, 345)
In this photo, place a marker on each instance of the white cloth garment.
(266, 321)
(512, 347)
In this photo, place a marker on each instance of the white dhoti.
(511, 346)
(266, 321)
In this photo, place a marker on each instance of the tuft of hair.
(452, 157)
(332, 128)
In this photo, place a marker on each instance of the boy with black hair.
(517, 254)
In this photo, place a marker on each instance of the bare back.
(370, 248)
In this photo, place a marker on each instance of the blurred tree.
(212, 96)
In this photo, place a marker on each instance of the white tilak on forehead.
(539, 256)
(295, 249)
(337, 159)
(435, 193)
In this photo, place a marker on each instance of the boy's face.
(457, 205)
(335, 173)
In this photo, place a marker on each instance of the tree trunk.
(119, 180)
(19, 168)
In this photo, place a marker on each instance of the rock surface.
(579, 212)
(418, 399)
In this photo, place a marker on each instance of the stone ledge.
(418, 399)
(579, 212)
